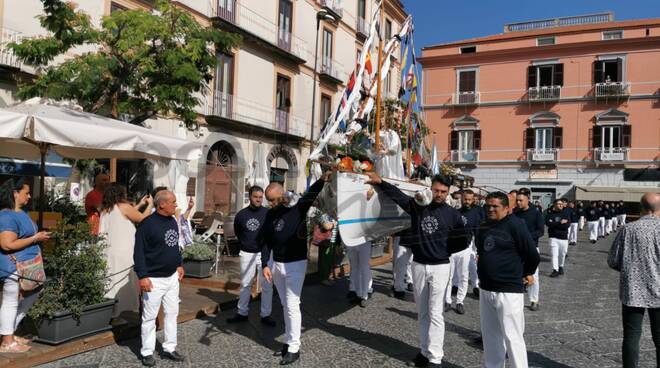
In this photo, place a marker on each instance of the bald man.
(285, 234)
(635, 253)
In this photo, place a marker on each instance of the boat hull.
(364, 213)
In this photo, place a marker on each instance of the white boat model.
(364, 213)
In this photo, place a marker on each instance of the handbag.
(31, 273)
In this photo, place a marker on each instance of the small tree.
(144, 63)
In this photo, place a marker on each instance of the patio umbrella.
(30, 129)
(435, 164)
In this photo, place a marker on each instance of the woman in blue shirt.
(18, 238)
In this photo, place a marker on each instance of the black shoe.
(174, 356)
(419, 361)
(454, 290)
(593, 242)
(561, 270)
(237, 318)
(460, 308)
(534, 306)
(400, 295)
(268, 321)
(283, 351)
(434, 365)
(554, 273)
(148, 361)
(475, 292)
(363, 303)
(411, 288)
(447, 307)
(289, 358)
(351, 295)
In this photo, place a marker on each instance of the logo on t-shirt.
(279, 225)
(592, 212)
(171, 238)
(489, 243)
(429, 224)
(465, 220)
(252, 224)
(557, 219)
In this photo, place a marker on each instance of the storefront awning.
(626, 194)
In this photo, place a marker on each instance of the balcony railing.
(465, 156)
(559, 22)
(542, 155)
(544, 93)
(7, 56)
(466, 98)
(254, 23)
(362, 27)
(332, 68)
(333, 5)
(610, 154)
(241, 110)
(612, 89)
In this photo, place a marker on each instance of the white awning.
(626, 194)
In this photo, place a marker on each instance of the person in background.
(601, 219)
(574, 220)
(159, 266)
(558, 221)
(94, 201)
(507, 260)
(402, 263)
(117, 225)
(614, 213)
(533, 219)
(592, 214)
(635, 253)
(607, 213)
(183, 221)
(622, 213)
(513, 194)
(248, 224)
(581, 215)
(19, 242)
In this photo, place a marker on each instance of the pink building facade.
(564, 110)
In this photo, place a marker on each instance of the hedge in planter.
(197, 260)
(76, 272)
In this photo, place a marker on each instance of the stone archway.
(283, 166)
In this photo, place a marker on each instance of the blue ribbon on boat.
(357, 221)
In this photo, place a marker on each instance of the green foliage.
(151, 62)
(198, 252)
(72, 213)
(76, 270)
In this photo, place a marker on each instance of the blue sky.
(441, 21)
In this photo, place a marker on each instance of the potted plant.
(72, 303)
(198, 260)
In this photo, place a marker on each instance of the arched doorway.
(283, 167)
(220, 165)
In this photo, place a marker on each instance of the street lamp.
(320, 15)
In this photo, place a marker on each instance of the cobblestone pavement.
(578, 325)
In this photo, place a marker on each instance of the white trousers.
(601, 226)
(502, 329)
(615, 223)
(359, 257)
(402, 271)
(288, 279)
(459, 264)
(474, 276)
(430, 282)
(533, 290)
(608, 226)
(13, 309)
(622, 219)
(165, 291)
(558, 250)
(572, 232)
(582, 222)
(251, 265)
(593, 230)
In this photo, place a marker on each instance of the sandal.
(14, 347)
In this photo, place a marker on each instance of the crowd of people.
(491, 247)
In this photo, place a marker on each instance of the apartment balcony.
(234, 112)
(466, 98)
(254, 27)
(362, 27)
(464, 156)
(544, 93)
(331, 71)
(610, 154)
(612, 89)
(7, 56)
(542, 155)
(335, 7)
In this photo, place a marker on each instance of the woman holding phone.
(20, 257)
